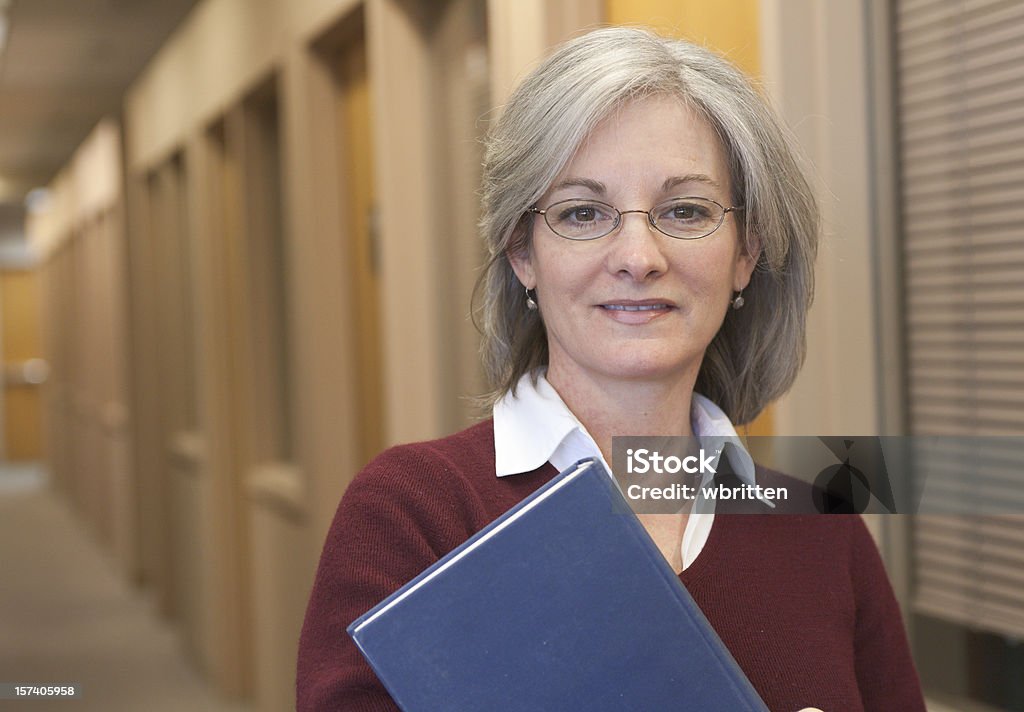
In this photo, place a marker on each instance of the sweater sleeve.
(396, 518)
(885, 669)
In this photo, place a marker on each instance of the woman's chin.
(650, 368)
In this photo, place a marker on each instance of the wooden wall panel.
(21, 340)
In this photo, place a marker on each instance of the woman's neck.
(610, 407)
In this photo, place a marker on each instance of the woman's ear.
(522, 265)
(746, 261)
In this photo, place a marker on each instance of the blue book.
(564, 602)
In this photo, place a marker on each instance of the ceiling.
(65, 65)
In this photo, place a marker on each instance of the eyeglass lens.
(684, 218)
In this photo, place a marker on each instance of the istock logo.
(643, 461)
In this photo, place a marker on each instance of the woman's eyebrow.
(594, 185)
(673, 181)
(599, 188)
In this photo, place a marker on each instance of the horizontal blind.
(960, 104)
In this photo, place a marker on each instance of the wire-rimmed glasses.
(686, 218)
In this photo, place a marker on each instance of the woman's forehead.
(655, 144)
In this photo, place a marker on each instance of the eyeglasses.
(682, 218)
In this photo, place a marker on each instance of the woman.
(652, 242)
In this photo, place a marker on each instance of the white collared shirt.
(535, 427)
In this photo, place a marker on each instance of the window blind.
(960, 116)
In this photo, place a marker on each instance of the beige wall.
(79, 236)
(90, 184)
(815, 67)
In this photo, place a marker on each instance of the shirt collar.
(530, 426)
(535, 426)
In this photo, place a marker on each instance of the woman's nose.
(637, 248)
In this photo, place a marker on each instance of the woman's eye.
(685, 212)
(580, 214)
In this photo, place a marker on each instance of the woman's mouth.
(634, 307)
(637, 312)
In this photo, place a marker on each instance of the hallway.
(66, 616)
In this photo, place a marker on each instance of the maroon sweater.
(803, 602)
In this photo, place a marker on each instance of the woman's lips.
(635, 307)
(636, 312)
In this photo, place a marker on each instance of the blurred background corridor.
(237, 249)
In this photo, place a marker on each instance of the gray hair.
(759, 349)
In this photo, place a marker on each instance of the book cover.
(561, 603)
